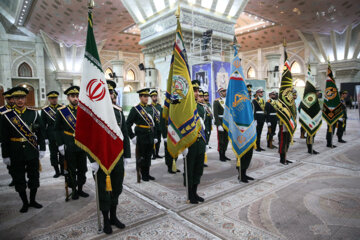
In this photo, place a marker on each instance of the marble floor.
(316, 197)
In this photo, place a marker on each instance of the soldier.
(144, 136)
(259, 116)
(341, 124)
(209, 117)
(65, 123)
(195, 155)
(249, 86)
(271, 119)
(9, 100)
(108, 201)
(22, 137)
(309, 141)
(48, 114)
(223, 140)
(156, 107)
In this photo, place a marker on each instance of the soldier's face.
(260, 94)
(113, 98)
(73, 99)
(196, 93)
(10, 101)
(201, 99)
(295, 96)
(144, 99)
(154, 98)
(344, 95)
(53, 100)
(206, 98)
(20, 101)
(223, 93)
(272, 96)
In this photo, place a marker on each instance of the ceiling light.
(23, 10)
(273, 24)
(26, 1)
(255, 17)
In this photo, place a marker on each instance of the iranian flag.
(97, 131)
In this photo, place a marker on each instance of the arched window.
(24, 70)
(295, 67)
(251, 73)
(108, 72)
(128, 88)
(130, 75)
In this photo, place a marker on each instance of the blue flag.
(238, 114)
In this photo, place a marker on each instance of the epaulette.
(117, 107)
(217, 99)
(44, 106)
(62, 107)
(33, 108)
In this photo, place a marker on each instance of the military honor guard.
(195, 155)
(271, 118)
(249, 88)
(144, 136)
(156, 107)
(48, 114)
(259, 116)
(23, 145)
(223, 140)
(341, 124)
(9, 104)
(209, 117)
(75, 157)
(108, 201)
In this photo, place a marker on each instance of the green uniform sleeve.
(40, 134)
(5, 138)
(126, 140)
(216, 113)
(44, 120)
(130, 121)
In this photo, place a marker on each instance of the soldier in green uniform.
(23, 145)
(209, 117)
(156, 107)
(223, 140)
(144, 136)
(48, 114)
(65, 123)
(9, 104)
(108, 201)
(249, 86)
(271, 119)
(341, 124)
(259, 116)
(195, 155)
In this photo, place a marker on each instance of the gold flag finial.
(177, 12)
(284, 43)
(91, 4)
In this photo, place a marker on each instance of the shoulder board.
(62, 107)
(217, 99)
(32, 108)
(44, 106)
(118, 108)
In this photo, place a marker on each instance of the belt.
(18, 140)
(143, 126)
(272, 114)
(69, 133)
(259, 112)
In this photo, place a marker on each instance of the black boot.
(114, 220)
(107, 226)
(148, 174)
(33, 203)
(197, 197)
(222, 156)
(341, 141)
(243, 176)
(82, 193)
(62, 170)
(192, 196)
(282, 159)
(247, 177)
(57, 171)
(24, 199)
(12, 183)
(75, 195)
(226, 158)
(144, 175)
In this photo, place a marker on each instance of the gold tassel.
(330, 128)
(174, 169)
(205, 159)
(40, 167)
(255, 147)
(292, 141)
(238, 162)
(108, 183)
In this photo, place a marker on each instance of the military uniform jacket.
(270, 111)
(143, 131)
(344, 109)
(49, 122)
(63, 131)
(3, 109)
(158, 107)
(120, 119)
(12, 147)
(163, 125)
(218, 106)
(259, 109)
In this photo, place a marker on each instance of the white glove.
(126, 161)
(206, 148)
(269, 124)
(220, 129)
(341, 119)
(133, 140)
(62, 150)
(7, 161)
(156, 140)
(41, 154)
(165, 140)
(94, 166)
(185, 152)
(46, 141)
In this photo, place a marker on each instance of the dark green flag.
(332, 109)
(310, 111)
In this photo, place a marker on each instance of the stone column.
(118, 68)
(40, 69)
(273, 77)
(150, 71)
(5, 64)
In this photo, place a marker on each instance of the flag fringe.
(108, 184)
